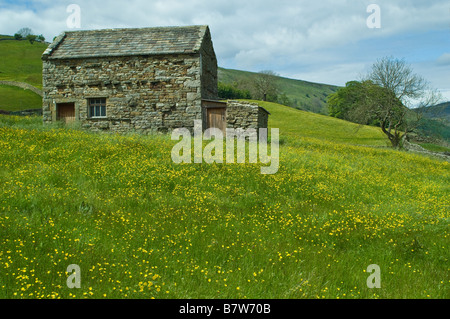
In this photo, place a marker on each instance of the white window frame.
(97, 103)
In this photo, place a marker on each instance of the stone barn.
(143, 80)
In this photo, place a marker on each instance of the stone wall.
(144, 94)
(411, 147)
(246, 115)
(209, 69)
(22, 85)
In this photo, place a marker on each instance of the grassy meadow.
(13, 98)
(140, 226)
(21, 61)
(434, 147)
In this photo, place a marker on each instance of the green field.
(140, 226)
(434, 147)
(21, 61)
(16, 99)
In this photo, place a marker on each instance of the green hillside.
(140, 226)
(302, 95)
(17, 99)
(435, 124)
(299, 124)
(438, 112)
(312, 97)
(21, 61)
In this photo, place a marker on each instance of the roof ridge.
(137, 29)
(127, 42)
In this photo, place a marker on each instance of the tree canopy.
(27, 34)
(382, 98)
(265, 86)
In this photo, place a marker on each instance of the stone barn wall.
(148, 80)
(143, 94)
(208, 64)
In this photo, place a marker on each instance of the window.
(97, 107)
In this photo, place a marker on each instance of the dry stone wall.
(22, 85)
(246, 115)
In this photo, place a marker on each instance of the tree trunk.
(393, 138)
(396, 140)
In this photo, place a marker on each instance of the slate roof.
(126, 42)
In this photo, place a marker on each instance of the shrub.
(31, 38)
(226, 91)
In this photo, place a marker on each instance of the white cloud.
(335, 74)
(445, 95)
(318, 40)
(444, 59)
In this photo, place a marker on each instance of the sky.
(325, 41)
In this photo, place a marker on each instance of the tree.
(383, 98)
(359, 102)
(227, 91)
(344, 100)
(24, 32)
(265, 86)
(27, 33)
(31, 38)
(368, 103)
(404, 87)
(283, 99)
(40, 38)
(381, 105)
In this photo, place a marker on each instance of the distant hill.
(439, 112)
(436, 121)
(302, 95)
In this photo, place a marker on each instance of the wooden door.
(66, 112)
(216, 118)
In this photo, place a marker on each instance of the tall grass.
(140, 226)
